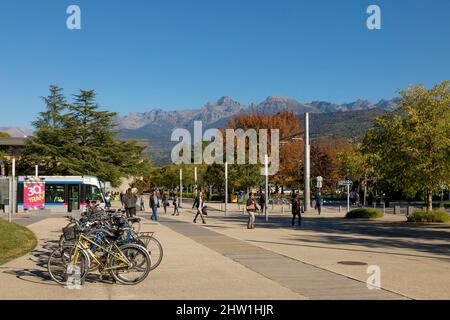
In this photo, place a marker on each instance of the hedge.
(433, 216)
(364, 213)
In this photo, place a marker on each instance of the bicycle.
(119, 261)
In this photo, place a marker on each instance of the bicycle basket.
(70, 233)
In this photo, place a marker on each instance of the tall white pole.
(181, 186)
(195, 180)
(266, 171)
(10, 196)
(13, 198)
(36, 171)
(226, 187)
(195, 175)
(307, 190)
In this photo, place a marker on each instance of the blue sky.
(141, 54)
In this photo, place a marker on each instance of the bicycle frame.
(83, 243)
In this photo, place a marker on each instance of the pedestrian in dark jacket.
(297, 209)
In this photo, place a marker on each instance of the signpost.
(347, 183)
(319, 182)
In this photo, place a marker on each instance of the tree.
(48, 147)
(291, 152)
(215, 175)
(78, 139)
(411, 147)
(4, 135)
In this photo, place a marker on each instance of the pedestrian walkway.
(306, 280)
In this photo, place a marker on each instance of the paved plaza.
(326, 258)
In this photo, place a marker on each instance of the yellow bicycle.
(70, 264)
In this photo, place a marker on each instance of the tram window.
(54, 193)
(93, 193)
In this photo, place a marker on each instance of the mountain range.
(348, 119)
(226, 107)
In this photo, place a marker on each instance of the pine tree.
(46, 147)
(79, 139)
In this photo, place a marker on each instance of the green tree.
(215, 176)
(78, 139)
(48, 146)
(411, 147)
(4, 135)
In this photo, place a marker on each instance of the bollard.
(384, 208)
(410, 210)
(339, 209)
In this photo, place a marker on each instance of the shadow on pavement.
(341, 231)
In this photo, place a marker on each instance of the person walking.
(251, 209)
(199, 204)
(165, 202)
(297, 209)
(154, 203)
(129, 201)
(142, 206)
(108, 200)
(176, 212)
(262, 202)
(121, 198)
(319, 202)
(196, 200)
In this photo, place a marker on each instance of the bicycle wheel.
(155, 249)
(64, 270)
(137, 270)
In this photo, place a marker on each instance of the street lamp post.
(181, 186)
(12, 201)
(307, 189)
(266, 171)
(226, 187)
